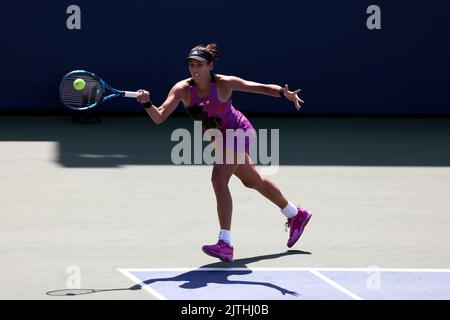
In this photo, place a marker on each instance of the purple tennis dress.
(220, 115)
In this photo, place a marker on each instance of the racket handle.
(130, 94)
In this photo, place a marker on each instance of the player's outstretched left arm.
(238, 84)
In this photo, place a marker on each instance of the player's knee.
(252, 183)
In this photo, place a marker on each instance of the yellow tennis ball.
(79, 84)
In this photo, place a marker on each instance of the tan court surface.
(106, 196)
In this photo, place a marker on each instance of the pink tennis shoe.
(296, 225)
(221, 250)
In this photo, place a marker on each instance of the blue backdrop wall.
(321, 46)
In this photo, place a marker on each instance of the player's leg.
(221, 175)
(297, 217)
(251, 178)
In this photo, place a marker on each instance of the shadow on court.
(341, 141)
(198, 278)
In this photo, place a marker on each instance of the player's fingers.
(297, 91)
(141, 95)
(144, 92)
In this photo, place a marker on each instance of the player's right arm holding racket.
(160, 114)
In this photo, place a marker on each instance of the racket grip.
(130, 94)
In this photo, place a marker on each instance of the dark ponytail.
(214, 50)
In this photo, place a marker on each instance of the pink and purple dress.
(219, 115)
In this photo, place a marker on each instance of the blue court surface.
(293, 283)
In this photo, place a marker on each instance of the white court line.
(335, 285)
(288, 269)
(380, 269)
(155, 293)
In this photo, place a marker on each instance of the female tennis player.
(207, 97)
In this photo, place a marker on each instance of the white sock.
(290, 210)
(225, 235)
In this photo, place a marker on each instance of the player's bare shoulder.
(182, 85)
(226, 81)
(181, 89)
(224, 86)
(224, 78)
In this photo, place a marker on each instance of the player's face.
(199, 70)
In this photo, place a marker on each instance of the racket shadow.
(80, 292)
(196, 279)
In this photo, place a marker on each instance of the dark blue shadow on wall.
(306, 141)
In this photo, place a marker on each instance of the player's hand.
(293, 96)
(144, 96)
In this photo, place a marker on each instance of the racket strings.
(91, 94)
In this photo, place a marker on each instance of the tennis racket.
(94, 92)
